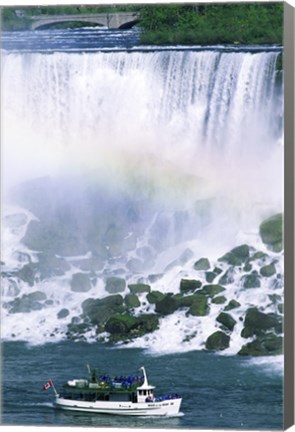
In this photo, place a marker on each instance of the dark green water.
(218, 391)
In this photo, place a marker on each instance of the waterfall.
(144, 151)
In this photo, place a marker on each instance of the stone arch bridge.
(117, 20)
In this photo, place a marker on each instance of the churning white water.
(177, 127)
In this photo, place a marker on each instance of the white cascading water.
(196, 126)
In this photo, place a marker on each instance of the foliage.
(244, 23)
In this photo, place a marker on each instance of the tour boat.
(131, 395)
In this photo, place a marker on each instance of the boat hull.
(164, 408)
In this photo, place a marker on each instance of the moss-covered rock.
(218, 300)
(258, 256)
(211, 290)
(122, 327)
(155, 296)
(80, 282)
(139, 288)
(210, 276)
(268, 270)
(97, 311)
(233, 304)
(167, 305)
(115, 284)
(187, 285)
(199, 306)
(236, 256)
(218, 341)
(202, 264)
(271, 232)
(132, 301)
(251, 280)
(264, 345)
(226, 320)
(257, 323)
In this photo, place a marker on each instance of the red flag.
(47, 385)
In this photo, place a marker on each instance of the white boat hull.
(164, 408)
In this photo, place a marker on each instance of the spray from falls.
(132, 159)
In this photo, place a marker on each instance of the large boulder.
(167, 305)
(139, 288)
(263, 345)
(271, 232)
(27, 274)
(80, 282)
(125, 326)
(226, 320)
(236, 256)
(268, 270)
(257, 323)
(98, 311)
(218, 341)
(211, 290)
(197, 303)
(115, 284)
(251, 280)
(155, 296)
(187, 285)
(132, 301)
(232, 304)
(27, 303)
(202, 264)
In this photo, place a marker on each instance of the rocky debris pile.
(241, 292)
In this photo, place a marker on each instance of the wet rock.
(139, 288)
(271, 232)
(228, 277)
(257, 323)
(27, 274)
(236, 256)
(233, 304)
(122, 327)
(135, 265)
(80, 282)
(97, 311)
(202, 264)
(132, 301)
(268, 270)
(49, 265)
(76, 331)
(27, 303)
(218, 300)
(210, 276)
(258, 256)
(155, 296)
(251, 280)
(199, 306)
(63, 313)
(218, 341)
(187, 285)
(115, 285)
(211, 290)
(226, 320)
(264, 345)
(167, 305)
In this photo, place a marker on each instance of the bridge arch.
(120, 20)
